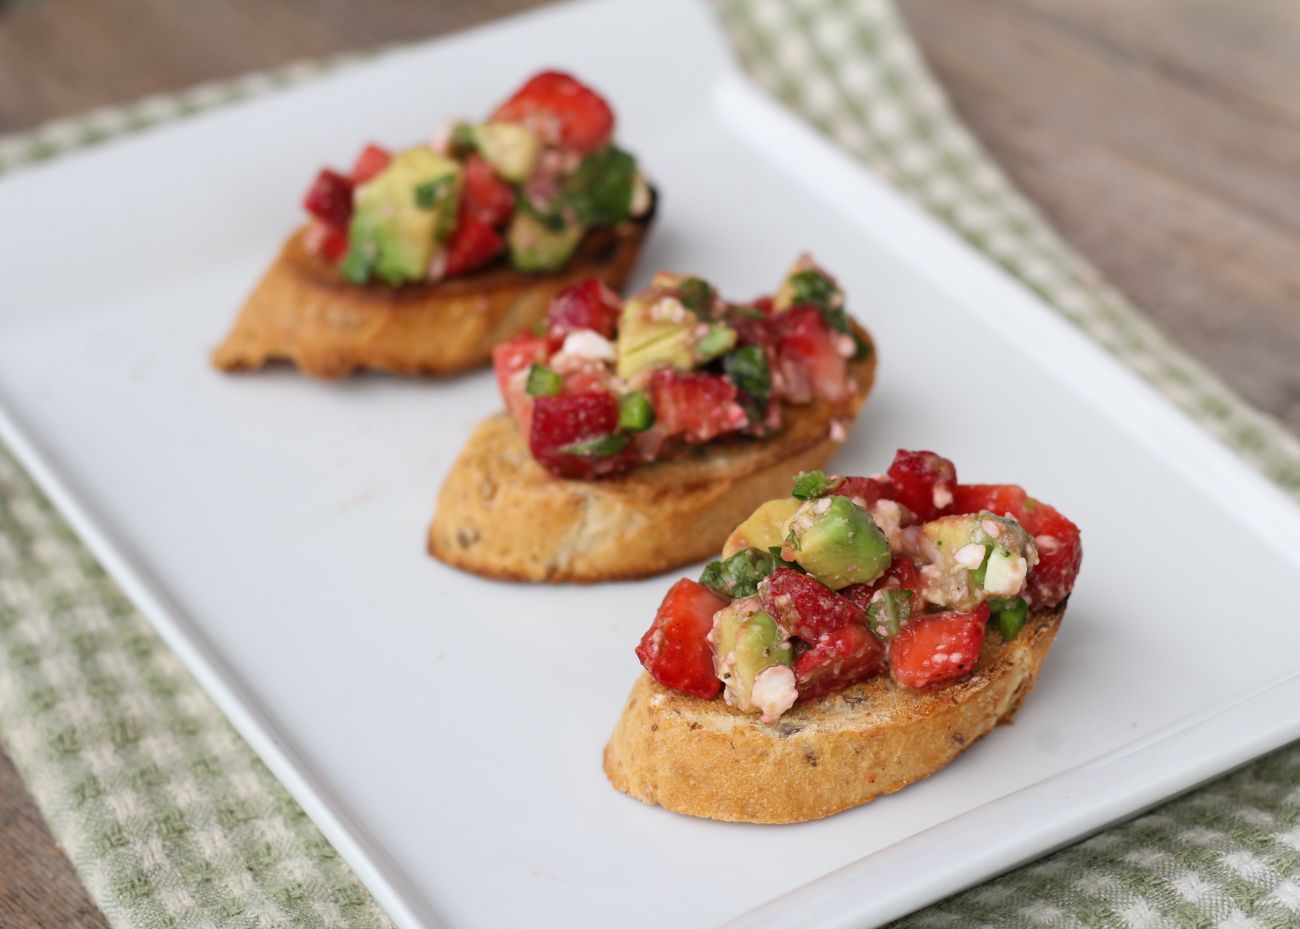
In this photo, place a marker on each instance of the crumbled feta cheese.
(1006, 573)
(845, 347)
(970, 556)
(942, 496)
(774, 692)
(640, 204)
(440, 141)
(991, 528)
(667, 310)
(437, 265)
(588, 345)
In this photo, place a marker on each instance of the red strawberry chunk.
(804, 606)
(924, 482)
(587, 304)
(840, 658)
(901, 575)
(485, 196)
(808, 363)
(568, 419)
(562, 109)
(697, 405)
(370, 162)
(327, 241)
(330, 198)
(1060, 548)
(938, 648)
(865, 491)
(472, 245)
(511, 361)
(675, 649)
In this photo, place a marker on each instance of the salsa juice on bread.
(522, 187)
(854, 577)
(608, 383)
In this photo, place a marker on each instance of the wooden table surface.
(1163, 138)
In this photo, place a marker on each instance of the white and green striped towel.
(171, 820)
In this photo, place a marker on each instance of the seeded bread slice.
(501, 515)
(702, 758)
(304, 312)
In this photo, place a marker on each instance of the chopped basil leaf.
(635, 412)
(810, 484)
(600, 191)
(543, 382)
(697, 295)
(775, 552)
(601, 447)
(748, 370)
(429, 193)
(977, 576)
(813, 288)
(738, 576)
(886, 615)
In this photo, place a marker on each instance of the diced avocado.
(539, 243)
(765, 528)
(837, 542)
(806, 284)
(511, 149)
(654, 331)
(399, 215)
(738, 575)
(976, 557)
(746, 642)
(808, 485)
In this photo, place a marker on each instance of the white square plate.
(446, 732)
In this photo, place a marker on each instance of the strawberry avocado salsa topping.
(527, 185)
(608, 383)
(853, 577)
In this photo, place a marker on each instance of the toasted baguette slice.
(702, 758)
(500, 514)
(303, 312)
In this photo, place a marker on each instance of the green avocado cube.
(837, 542)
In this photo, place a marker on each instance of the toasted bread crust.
(702, 758)
(304, 312)
(501, 515)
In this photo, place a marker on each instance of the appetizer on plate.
(841, 647)
(420, 261)
(638, 433)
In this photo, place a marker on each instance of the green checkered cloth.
(172, 821)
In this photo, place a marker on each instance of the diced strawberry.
(865, 489)
(569, 419)
(808, 363)
(330, 198)
(588, 304)
(901, 575)
(804, 606)
(924, 482)
(694, 404)
(1060, 548)
(939, 647)
(998, 499)
(472, 245)
(675, 649)
(370, 162)
(511, 361)
(484, 196)
(578, 116)
(590, 378)
(840, 658)
(327, 241)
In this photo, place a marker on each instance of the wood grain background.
(1162, 137)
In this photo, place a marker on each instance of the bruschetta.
(854, 637)
(420, 261)
(638, 433)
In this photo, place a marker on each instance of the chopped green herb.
(812, 288)
(1010, 616)
(462, 138)
(861, 348)
(429, 193)
(977, 576)
(601, 447)
(886, 615)
(738, 576)
(635, 412)
(543, 382)
(600, 191)
(775, 552)
(748, 370)
(810, 484)
(697, 295)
